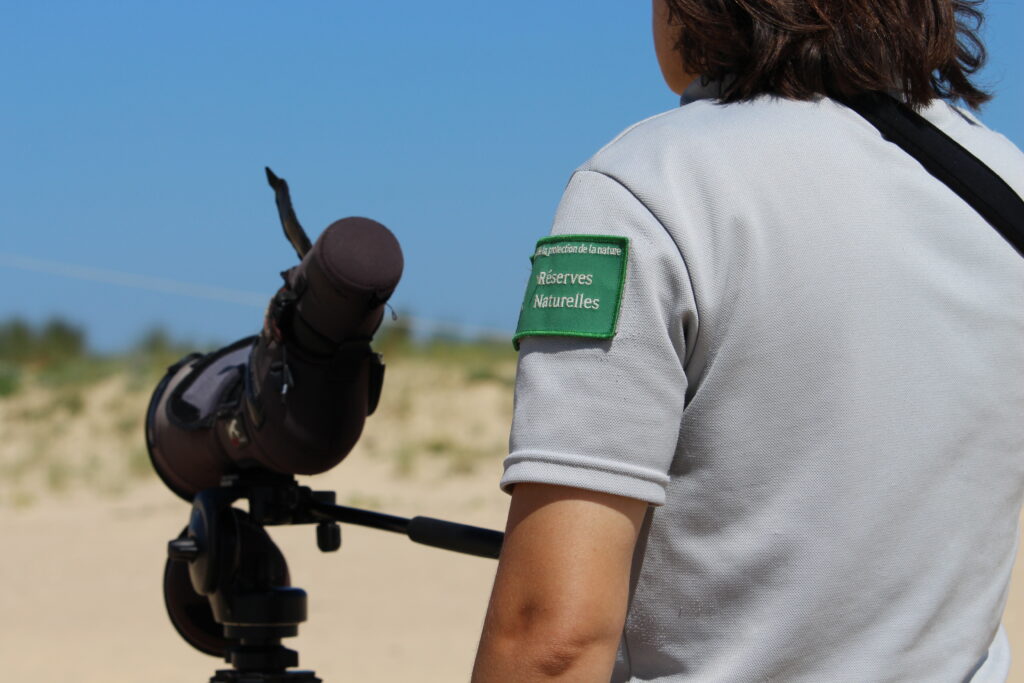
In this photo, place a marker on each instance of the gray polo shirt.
(816, 378)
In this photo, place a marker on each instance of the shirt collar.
(938, 111)
(701, 89)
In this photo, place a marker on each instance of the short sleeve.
(605, 415)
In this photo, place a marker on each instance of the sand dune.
(84, 550)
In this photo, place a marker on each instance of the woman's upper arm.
(561, 591)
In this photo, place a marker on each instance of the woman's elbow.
(564, 649)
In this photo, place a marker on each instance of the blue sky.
(134, 135)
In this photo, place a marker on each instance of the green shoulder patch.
(575, 288)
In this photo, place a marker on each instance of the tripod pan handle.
(461, 538)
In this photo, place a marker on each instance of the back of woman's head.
(921, 49)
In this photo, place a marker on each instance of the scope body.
(292, 399)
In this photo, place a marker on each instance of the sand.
(85, 525)
(82, 597)
(81, 565)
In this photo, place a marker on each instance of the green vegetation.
(72, 419)
(481, 360)
(50, 342)
(55, 355)
(405, 461)
(40, 350)
(10, 379)
(138, 464)
(362, 500)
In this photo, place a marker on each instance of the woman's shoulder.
(708, 137)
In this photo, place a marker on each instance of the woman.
(767, 420)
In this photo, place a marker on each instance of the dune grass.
(72, 420)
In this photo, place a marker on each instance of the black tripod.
(226, 583)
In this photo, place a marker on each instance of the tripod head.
(226, 584)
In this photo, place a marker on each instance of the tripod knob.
(183, 549)
(328, 536)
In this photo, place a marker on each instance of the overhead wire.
(227, 295)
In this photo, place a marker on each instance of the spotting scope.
(236, 426)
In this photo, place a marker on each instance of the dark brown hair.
(804, 48)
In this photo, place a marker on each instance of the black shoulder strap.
(948, 161)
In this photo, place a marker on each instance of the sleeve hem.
(593, 474)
